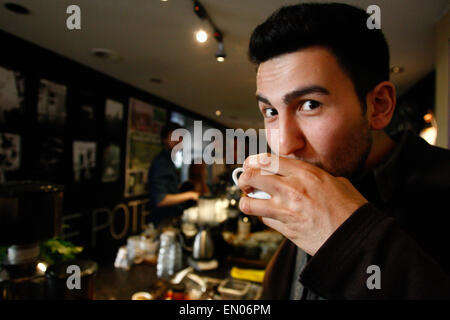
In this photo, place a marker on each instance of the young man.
(164, 182)
(365, 214)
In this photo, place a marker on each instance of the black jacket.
(404, 230)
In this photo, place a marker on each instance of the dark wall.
(413, 104)
(98, 215)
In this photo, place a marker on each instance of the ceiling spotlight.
(218, 113)
(199, 10)
(397, 69)
(429, 134)
(220, 54)
(218, 35)
(428, 117)
(201, 36)
(16, 8)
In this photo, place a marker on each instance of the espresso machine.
(30, 212)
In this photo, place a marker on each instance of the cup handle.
(235, 173)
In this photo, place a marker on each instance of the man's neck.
(382, 146)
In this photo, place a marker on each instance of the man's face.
(169, 143)
(313, 106)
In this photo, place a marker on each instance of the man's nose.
(291, 138)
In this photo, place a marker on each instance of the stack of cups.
(169, 255)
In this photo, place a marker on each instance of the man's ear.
(381, 105)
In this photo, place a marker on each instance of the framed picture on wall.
(12, 96)
(51, 107)
(84, 161)
(111, 163)
(113, 116)
(83, 113)
(143, 144)
(9, 151)
(51, 158)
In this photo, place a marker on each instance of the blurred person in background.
(164, 182)
(196, 182)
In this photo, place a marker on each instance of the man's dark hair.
(167, 129)
(362, 53)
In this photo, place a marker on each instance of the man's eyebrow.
(263, 100)
(289, 97)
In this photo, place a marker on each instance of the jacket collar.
(382, 181)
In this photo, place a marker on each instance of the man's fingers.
(253, 178)
(274, 224)
(261, 208)
(275, 164)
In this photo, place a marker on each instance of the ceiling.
(156, 40)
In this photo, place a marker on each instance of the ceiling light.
(220, 54)
(199, 10)
(397, 69)
(429, 134)
(201, 36)
(106, 54)
(16, 8)
(428, 117)
(218, 113)
(156, 80)
(218, 35)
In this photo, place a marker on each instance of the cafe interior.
(85, 88)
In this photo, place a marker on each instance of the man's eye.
(270, 112)
(310, 105)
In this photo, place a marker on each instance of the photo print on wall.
(12, 96)
(51, 103)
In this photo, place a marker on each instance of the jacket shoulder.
(431, 164)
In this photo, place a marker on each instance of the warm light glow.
(245, 219)
(396, 69)
(42, 267)
(428, 117)
(218, 113)
(232, 202)
(429, 134)
(201, 36)
(220, 59)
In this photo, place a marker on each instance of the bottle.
(163, 265)
(244, 226)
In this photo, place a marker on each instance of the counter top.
(117, 284)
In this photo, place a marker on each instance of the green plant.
(57, 250)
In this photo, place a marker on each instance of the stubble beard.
(349, 160)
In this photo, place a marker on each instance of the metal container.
(203, 248)
(30, 212)
(233, 289)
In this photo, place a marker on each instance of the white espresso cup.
(257, 194)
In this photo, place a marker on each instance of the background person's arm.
(174, 199)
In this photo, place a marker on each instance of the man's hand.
(174, 199)
(307, 205)
(193, 195)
